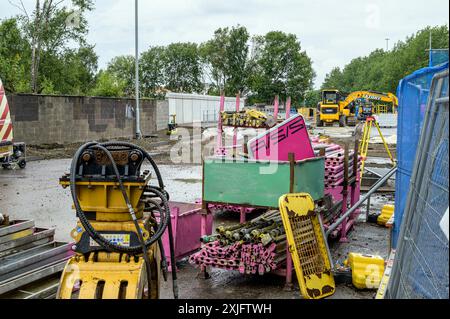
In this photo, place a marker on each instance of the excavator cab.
(330, 97)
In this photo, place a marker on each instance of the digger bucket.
(107, 280)
(307, 246)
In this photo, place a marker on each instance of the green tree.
(108, 85)
(282, 68)
(381, 70)
(14, 57)
(123, 67)
(333, 79)
(182, 69)
(226, 60)
(50, 27)
(72, 71)
(312, 98)
(152, 75)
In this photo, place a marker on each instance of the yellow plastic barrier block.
(367, 270)
(386, 213)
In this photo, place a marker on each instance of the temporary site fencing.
(413, 92)
(421, 266)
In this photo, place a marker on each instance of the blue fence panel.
(413, 94)
(438, 57)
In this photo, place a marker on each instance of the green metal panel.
(259, 183)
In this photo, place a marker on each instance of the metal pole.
(362, 200)
(138, 109)
(430, 62)
(387, 44)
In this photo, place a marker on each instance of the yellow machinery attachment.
(307, 246)
(367, 270)
(172, 127)
(109, 277)
(117, 247)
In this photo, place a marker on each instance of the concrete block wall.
(43, 119)
(162, 115)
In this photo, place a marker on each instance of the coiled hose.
(163, 209)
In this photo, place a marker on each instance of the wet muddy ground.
(34, 194)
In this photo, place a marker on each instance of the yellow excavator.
(340, 107)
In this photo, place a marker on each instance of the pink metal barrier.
(187, 221)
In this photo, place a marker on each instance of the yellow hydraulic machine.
(367, 270)
(364, 144)
(119, 252)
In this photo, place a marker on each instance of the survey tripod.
(364, 144)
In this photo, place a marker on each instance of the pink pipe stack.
(334, 163)
(245, 258)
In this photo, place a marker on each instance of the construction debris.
(29, 256)
(248, 118)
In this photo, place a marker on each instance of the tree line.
(231, 62)
(45, 52)
(382, 70)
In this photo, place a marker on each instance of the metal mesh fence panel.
(421, 267)
(413, 93)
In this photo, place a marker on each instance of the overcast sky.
(331, 32)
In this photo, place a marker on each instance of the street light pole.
(387, 44)
(138, 110)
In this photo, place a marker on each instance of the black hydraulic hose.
(160, 243)
(131, 210)
(133, 250)
(164, 196)
(171, 242)
(165, 218)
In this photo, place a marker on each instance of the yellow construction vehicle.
(341, 107)
(119, 252)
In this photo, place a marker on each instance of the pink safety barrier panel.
(291, 136)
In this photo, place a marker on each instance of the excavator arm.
(370, 95)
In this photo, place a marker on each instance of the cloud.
(332, 32)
